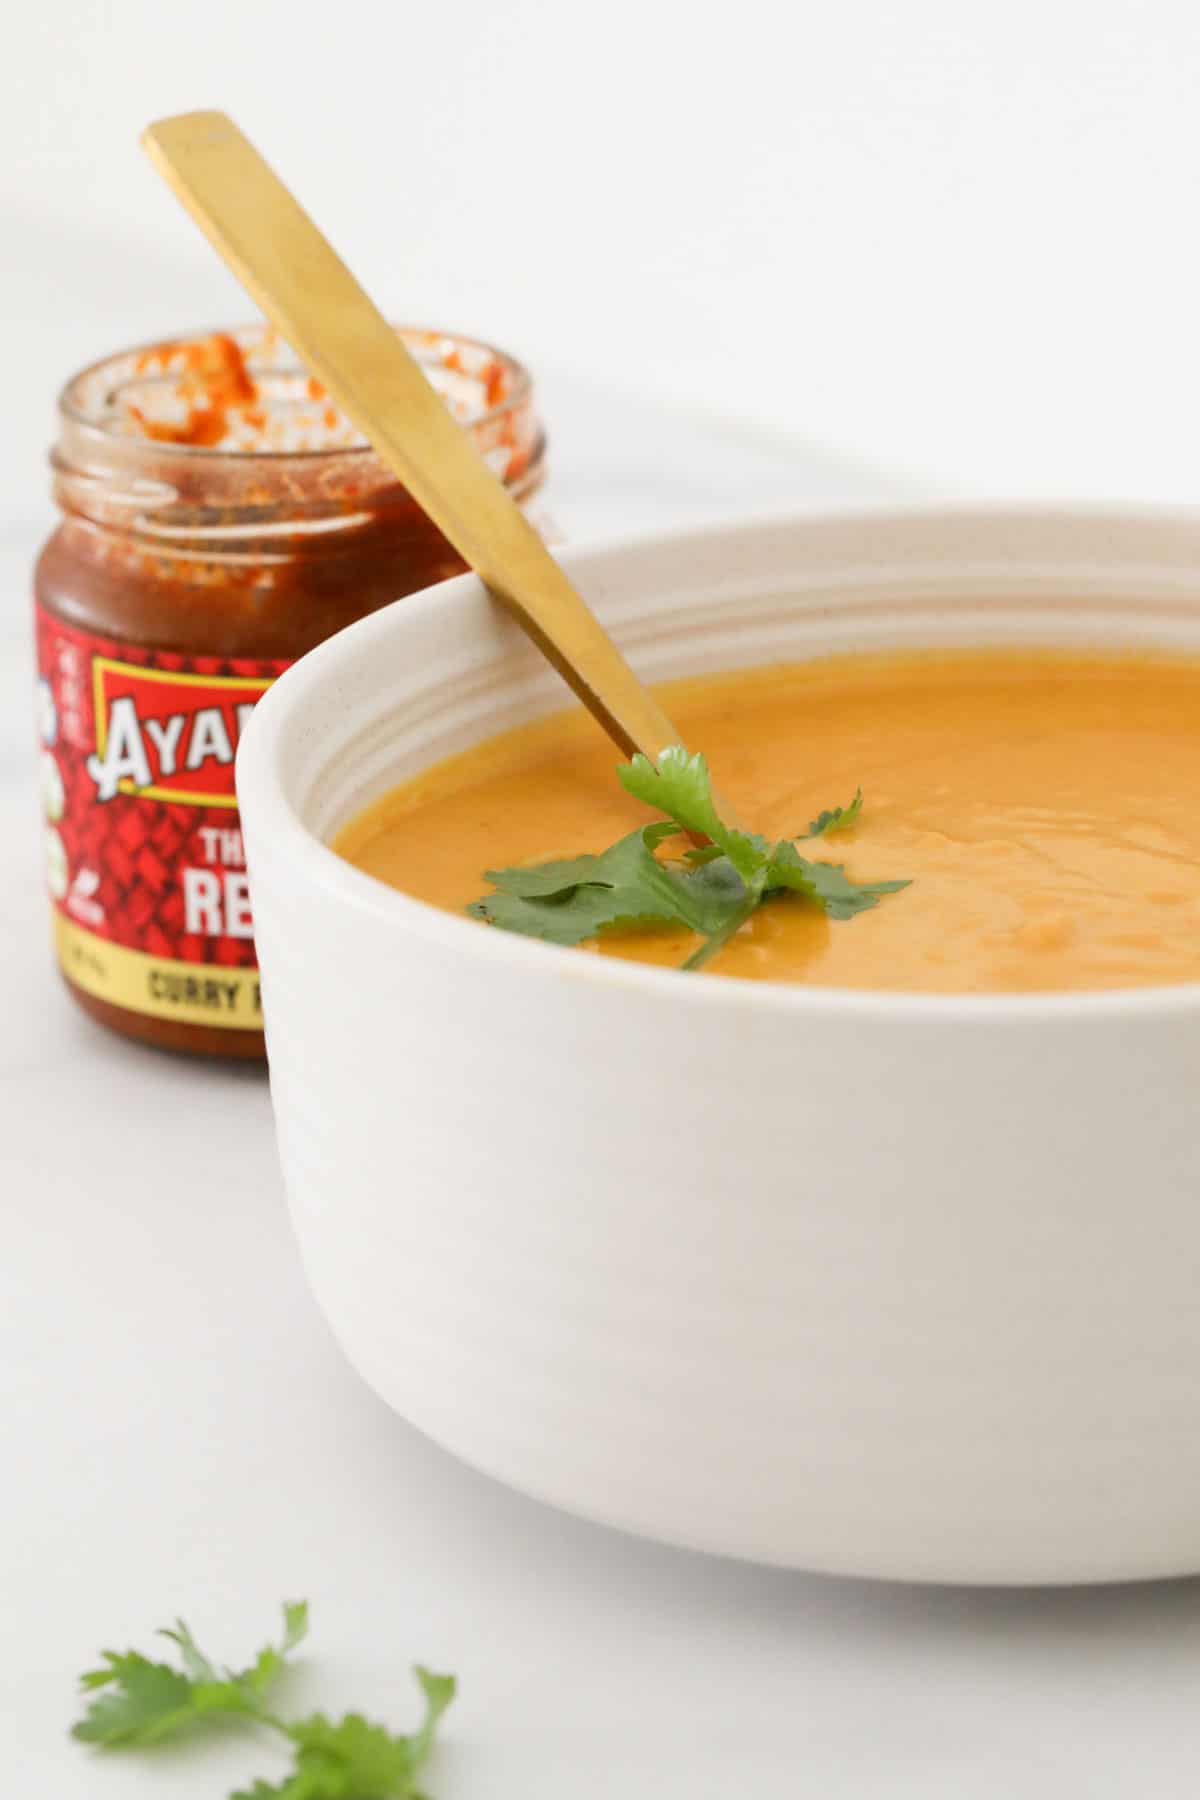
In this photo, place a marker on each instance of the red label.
(143, 844)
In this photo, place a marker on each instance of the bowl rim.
(258, 772)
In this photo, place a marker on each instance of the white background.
(952, 236)
(758, 254)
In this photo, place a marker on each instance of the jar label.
(144, 856)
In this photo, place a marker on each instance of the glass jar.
(220, 517)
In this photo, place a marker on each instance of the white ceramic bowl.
(891, 1284)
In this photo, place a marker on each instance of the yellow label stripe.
(193, 993)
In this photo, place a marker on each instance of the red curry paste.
(220, 517)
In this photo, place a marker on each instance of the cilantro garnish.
(712, 889)
(139, 1701)
(837, 818)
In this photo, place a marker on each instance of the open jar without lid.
(220, 516)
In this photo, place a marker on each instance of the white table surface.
(181, 1436)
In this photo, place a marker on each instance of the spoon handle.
(306, 290)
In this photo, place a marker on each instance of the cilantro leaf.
(584, 914)
(147, 1701)
(680, 786)
(195, 1666)
(569, 901)
(826, 883)
(717, 891)
(615, 867)
(268, 1664)
(712, 891)
(143, 1702)
(354, 1759)
(350, 1759)
(718, 939)
(439, 1691)
(295, 1625)
(150, 1701)
(837, 818)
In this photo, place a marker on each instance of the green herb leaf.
(143, 1702)
(269, 1662)
(680, 786)
(837, 818)
(147, 1701)
(567, 902)
(712, 891)
(827, 883)
(717, 940)
(354, 1759)
(350, 1758)
(620, 865)
(439, 1691)
(295, 1625)
(195, 1666)
(717, 891)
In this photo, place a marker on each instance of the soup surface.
(1044, 804)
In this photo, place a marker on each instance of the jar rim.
(73, 412)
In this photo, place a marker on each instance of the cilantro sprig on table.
(136, 1702)
(711, 890)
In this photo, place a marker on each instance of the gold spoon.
(305, 289)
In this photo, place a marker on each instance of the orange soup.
(1045, 806)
